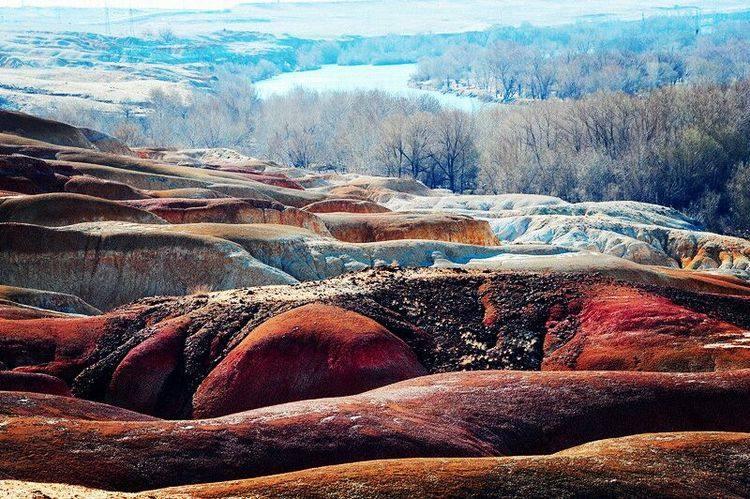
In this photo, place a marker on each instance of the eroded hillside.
(223, 325)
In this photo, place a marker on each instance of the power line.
(106, 18)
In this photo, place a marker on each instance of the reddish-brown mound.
(14, 381)
(27, 175)
(187, 193)
(106, 143)
(229, 211)
(345, 206)
(59, 209)
(49, 131)
(105, 189)
(464, 414)
(312, 351)
(628, 329)
(37, 405)
(691, 464)
(58, 346)
(367, 228)
(277, 179)
(141, 380)
(18, 186)
(349, 192)
(451, 319)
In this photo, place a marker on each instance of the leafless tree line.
(513, 68)
(686, 147)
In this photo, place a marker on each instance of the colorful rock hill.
(203, 324)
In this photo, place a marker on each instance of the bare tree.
(454, 151)
(542, 76)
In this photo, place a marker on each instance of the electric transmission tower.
(108, 27)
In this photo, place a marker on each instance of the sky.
(126, 4)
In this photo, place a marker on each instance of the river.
(393, 79)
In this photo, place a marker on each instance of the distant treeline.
(527, 62)
(572, 61)
(502, 63)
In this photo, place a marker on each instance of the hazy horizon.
(145, 4)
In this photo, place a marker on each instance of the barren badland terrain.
(200, 323)
(409, 248)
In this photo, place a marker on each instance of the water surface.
(393, 79)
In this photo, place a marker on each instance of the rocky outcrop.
(308, 256)
(148, 174)
(639, 232)
(156, 354)
(648, 244)
(313, 351)
(466, 414)
(626, 329)
(367, 228)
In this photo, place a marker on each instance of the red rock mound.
(59, 209)
(465, 414)
(691, 464)
(141, 381)
(312, 351)
(27, 175)
(451, 319)
(367, 228)
(345, 206)
(277, 179)
(106, 143)
(105, 189)
(26, 405)
(13, 381)
(59, 346)
(349, 192)
(41, 129)
(229, 211)
(628, 329)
